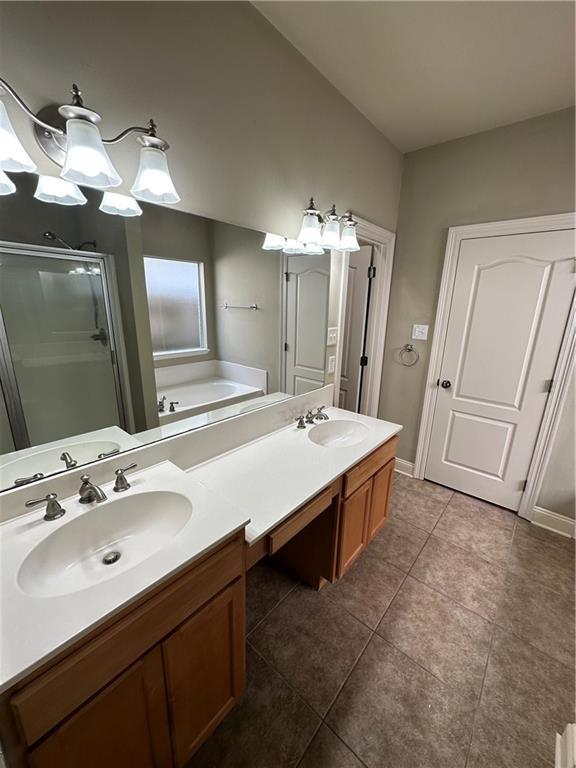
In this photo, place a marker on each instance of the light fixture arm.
(148, 134)
(7, 88)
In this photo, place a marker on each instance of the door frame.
(382, 241)
(111, 306)
(564, 365)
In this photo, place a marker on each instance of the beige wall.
(254, 128)
(525, 169)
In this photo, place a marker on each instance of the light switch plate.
(332, 337)
(420, 332)
(331, 363)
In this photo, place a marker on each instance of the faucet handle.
(172, 409)
(53, 508)
(310, 417)
(121, 483)
(301, 424)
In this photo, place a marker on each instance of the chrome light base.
(52, 144)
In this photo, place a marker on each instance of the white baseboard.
(552, 521)
(405, 467)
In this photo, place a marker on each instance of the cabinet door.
(380, 495)
(125, 724)
(353, 526)
(204, 666)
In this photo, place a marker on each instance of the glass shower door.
(57, 338)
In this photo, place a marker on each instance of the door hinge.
(371, 271)
(113, 357)
(287, 276)
(523, 485)
(286, 346)
(549, 386)
(363, 361)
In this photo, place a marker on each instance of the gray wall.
(245, 274)
(525, 169)
(254, 129)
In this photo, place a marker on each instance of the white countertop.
(35, 628)
(272, 477)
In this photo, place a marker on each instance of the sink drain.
(111, 557)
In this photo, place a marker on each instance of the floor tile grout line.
(266, 615)
(356, 755)
(449, 597)
(479, 700)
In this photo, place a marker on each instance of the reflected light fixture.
(293, 246)
(7, 186)
(273, 242)
(119, 205)
(69, 135)
(313, 249)
(310, 231)
(349, 241)
(52, 189)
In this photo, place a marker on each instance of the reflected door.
(57, 350)
(306, 322)
(510, 304)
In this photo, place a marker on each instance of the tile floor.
(449, 644)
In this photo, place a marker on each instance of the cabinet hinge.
(363, 360)
(371, 272)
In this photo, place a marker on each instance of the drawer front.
(368, 467)
(54, 695)
(300, 519)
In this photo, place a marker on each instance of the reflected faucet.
(68, 460)
(56, 238)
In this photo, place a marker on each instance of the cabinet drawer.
(363, 471)
(66, 686)
(300, 519)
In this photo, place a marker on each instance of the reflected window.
(177, 307)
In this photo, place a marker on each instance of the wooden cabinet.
(354, 514)
(380, 496)
(204, 663)
(125, 724)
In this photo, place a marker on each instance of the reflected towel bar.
(241, 306)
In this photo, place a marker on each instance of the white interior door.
(510, 303)
(354, 326)
(306, 322)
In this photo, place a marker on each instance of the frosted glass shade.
(310, 231)
(273, 242)
(87, 161)
(7, 186)
(153, 183)
(349, 241)
(119, 205)
(293, 246)
(331, 234)
(313, 249)
(13, 156)
(51, 189)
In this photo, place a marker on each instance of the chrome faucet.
(161, 404)
(53, 508)
(89, 492)
(121, 483)
(68, 460)
(310, 417)
(31, 479)
(320, 415)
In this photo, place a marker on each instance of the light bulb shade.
(119, 205)
(331, 234)
(7, 186)
(310, 231)
(273, 242)
(52, 189)
(87, 161)
(293, 246)
(13, 156)
(313, 249)
(153, 183)
(349, 241)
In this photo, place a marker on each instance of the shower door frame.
(16, 416)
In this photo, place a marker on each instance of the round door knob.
(446, 384)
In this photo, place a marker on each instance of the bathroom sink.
(104, 542)
(338, 434)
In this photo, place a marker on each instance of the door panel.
(306, 322)
(354, 326)
(510, 303)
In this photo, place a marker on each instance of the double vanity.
(123, 620)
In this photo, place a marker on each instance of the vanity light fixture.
(313, 249)
(293, 247)
(53, 189)
(69, 136)
(311, 231)
(7, 186)
(119, 205)
(349, 241)
(331, 233)
(273, 242)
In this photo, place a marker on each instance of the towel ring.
(408, 355)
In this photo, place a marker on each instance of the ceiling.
(427, 72)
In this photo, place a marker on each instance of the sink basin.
(104, 542)
(338, 434)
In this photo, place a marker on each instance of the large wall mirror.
(116, 332)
